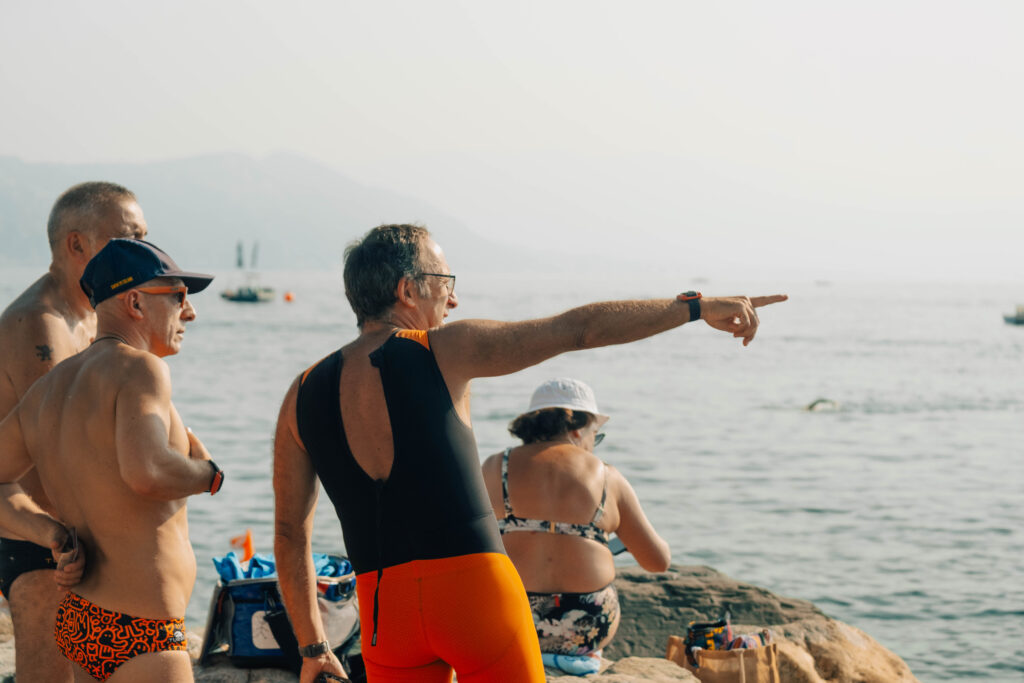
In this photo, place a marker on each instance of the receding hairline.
(81, 202)
(426, 255)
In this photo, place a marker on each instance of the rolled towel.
(577, 665)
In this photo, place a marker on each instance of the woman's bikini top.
(512, 523)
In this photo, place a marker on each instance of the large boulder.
(813, 648)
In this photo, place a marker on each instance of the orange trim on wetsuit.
(100, 640)
(416, 335)
(311, 368)
(468, 612)
(419, 336)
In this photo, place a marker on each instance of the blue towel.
(263, 566)
(228, 567)
(326, 565)
(580, 665)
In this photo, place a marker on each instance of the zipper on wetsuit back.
(378, 489)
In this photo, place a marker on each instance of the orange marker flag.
(244, 543)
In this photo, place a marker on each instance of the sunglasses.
(179, 291)
(598, 438)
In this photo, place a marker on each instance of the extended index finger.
(758, 301)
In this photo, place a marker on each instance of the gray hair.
(375, 264)
(83, 201)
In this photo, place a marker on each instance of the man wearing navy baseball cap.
(112, 451)
(126, 264)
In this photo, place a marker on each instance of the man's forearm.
(21, 516)
(171, 477)
(620, 322)
(293, 552)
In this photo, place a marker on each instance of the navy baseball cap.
(126, 263)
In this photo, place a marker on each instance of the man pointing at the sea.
(384, 422)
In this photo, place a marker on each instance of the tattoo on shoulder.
(44, 352)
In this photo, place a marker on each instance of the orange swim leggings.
(468, 613)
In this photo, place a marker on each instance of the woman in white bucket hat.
(557, 504)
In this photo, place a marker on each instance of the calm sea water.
(899, 512)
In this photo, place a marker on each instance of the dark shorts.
(18, 557)
(100, 640)
(574, 623)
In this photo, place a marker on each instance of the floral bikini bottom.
(574, 623)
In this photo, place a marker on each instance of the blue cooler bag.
(249, 637)
(245, 612)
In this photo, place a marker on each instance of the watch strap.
(692, 300)
(315, 650)
(217, 480)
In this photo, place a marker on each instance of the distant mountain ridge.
(303, 213)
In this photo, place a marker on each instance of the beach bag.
(742, 665)
(248, 622)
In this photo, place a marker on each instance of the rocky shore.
(813, 648)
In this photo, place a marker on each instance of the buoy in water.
(289, 297)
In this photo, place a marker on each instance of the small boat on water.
(1017, 318)
(248, 294)
(250, 291)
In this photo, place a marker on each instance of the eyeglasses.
(598, 438)
(179, 292)
(450, 284)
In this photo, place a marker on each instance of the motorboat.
(249, 294)
(1017, 318)
(250, 291)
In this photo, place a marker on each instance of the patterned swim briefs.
(100, 640)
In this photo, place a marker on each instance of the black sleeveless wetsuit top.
(433, 504)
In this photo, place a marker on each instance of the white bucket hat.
(564, 392)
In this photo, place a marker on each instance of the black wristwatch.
(693, 300)
(217, 480)
(315, 650)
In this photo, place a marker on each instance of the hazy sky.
(820, 139)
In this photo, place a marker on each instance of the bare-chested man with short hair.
(48, 322)
(117, 464)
